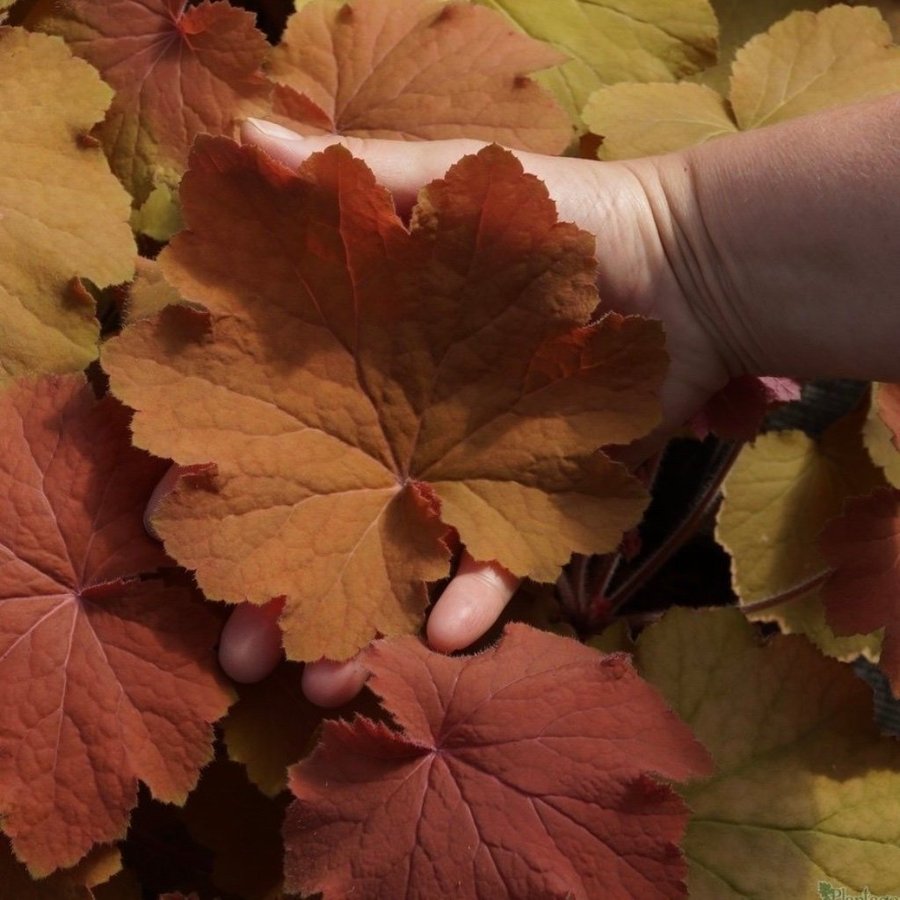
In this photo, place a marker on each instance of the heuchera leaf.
(106, 678)
(360, 387)
(777, 498)
(417, 69)
(524, 771)
(805, 788)
(737, 411)
(863, 593)
(616, 40)
(881, 431)
(62, 213)
(178, 71)
(803, 64)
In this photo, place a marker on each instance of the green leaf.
(806, 789)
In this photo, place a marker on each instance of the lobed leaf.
(805, 63)
(616, 40)
(360, 387)
(108, 677)
(177, 70)
(805, 787)
(62, 214)
(524, 771)
(416, 70)
(778, 496)
(882, 430)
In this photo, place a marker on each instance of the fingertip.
(250, 645)
(470, 604)
(328, 683)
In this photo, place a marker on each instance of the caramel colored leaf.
(177, 70)
(645, 119)
(863, 593)
(369, 386)
(805, 788)
(813, 61)
(523, 771)
(777, 498)
(106, 677)
(805, 63)
(150, 293)
(882, 430)
(62, 214)
(418, 70)
(609, 41)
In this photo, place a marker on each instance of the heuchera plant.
(351, 396)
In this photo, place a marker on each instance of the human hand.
(614, 201)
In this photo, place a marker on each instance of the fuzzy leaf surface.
(177, 70)
(777, 498)
(418, 70)
(369, 386)
(523, 771)
(106, 678)
(62, 213)
(863, 593)
(805, 63)
(805, 788)
(881, 431)
(616, 40)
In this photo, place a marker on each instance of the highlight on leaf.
(63, 216)
(415, 70)
(355, 388)
(108, 674)
(805, 63)
(803, 781)
(489, 784)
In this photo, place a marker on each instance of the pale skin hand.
(775, 252)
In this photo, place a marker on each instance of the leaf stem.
(792, 593)
(685, 529)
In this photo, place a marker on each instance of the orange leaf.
(106, 678)
(417, 70)
(178, 71)
(360, 387)
(523, 771)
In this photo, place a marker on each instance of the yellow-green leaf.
(813, 61)
(63, 215)
(805, 63)
(644, 119)
(779, 495)
(615, 40)
(879, 440)
(805, 790)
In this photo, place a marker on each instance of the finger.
(470, 604)
(403, 167)
(329, 683)
(250, 646)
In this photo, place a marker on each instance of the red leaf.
(736, 412)
(178, 71)
(106, 678)
(863, 593)
(519, 772)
